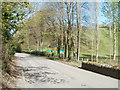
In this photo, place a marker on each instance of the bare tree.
(79, 27)
(92, 27)
(114, 39)
(96, 27)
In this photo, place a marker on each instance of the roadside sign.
(32, 50)
(51, 51)
(42, 50)
(62, 51)
(55, 49)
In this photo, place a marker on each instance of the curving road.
(39, 72)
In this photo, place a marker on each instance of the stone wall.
(115, 73)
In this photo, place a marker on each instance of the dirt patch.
(9, 80)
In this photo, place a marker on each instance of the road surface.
(39, 72)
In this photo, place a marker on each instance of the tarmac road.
(39, 72)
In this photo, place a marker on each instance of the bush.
(38, 53)
(18, 49)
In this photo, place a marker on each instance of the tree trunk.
(59, 46)
(60, 37)
(96, 27)
(78, 19)
(69, 30)
(38, 44)
(1, 54)
(64, 39)
(114, 43)
(28, 41)
(110, 32)
(92, 29)
(65, 43)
